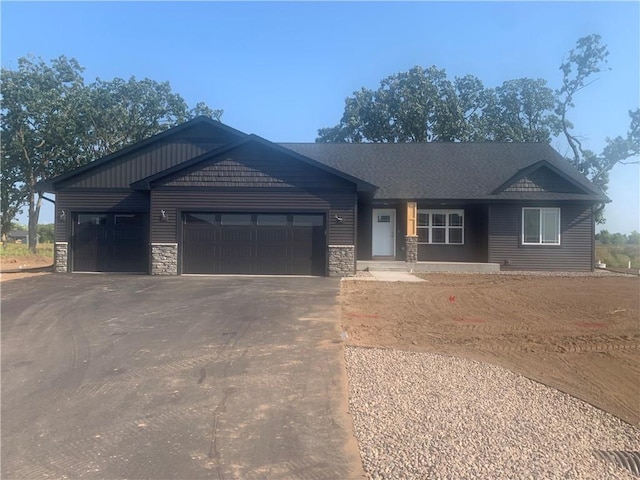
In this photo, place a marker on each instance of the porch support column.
(411, 241)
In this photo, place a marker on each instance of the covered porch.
(434, 233)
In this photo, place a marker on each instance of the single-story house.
(203, 197)
(18, 236)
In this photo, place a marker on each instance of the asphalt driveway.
(108, 376)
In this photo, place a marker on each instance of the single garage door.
(110, 242)
(254, 243)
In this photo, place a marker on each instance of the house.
(18, 236)
(203, 197)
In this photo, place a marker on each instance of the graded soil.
(13, 268)
(578, 334)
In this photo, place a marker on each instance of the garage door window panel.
(200, 218)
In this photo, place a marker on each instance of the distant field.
(619, 255)
(22, 250)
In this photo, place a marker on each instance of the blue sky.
(282, 70)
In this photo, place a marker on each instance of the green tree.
(423, 105)
(633, 238)
(46, 232)
(121, 112)
(420, 105)
(202, 109)
(604, 237)
(521, 110)
(13, 195)
(39, 129)
(618, 239)
(587, 59)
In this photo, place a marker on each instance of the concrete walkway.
(384, 276)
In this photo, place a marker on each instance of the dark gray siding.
(574, 254)
(95, 201)
(364, 231)
(174, 201)
(153, 158)
(474, 248)
(253, 166)
(138, 165)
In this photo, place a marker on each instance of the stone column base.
(411, 248)
(61, 257)
(342, 260)
(164, 259)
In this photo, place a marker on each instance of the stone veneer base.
(164, 259)
(342, 260)
(411, 248)
(61, 257)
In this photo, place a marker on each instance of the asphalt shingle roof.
(443, 170)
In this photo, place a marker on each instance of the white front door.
(383, 241)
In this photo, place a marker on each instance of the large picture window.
(441, 226)
(540, 226)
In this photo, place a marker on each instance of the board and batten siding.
(138, 165)
(575, 253)
(95, 201)
(174, 201)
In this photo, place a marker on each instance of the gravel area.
(427, 416)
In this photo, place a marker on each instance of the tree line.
(54, 121)
(425, 105)
(606, 238)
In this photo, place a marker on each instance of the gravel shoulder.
(423, 415)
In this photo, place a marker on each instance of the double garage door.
(253, 243)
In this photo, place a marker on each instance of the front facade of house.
(203, 198)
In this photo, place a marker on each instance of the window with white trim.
(441, 226)
(540, 226)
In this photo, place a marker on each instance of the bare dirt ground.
(580, 335)
(24, 266)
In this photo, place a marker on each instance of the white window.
(540, 226)
(441, 226)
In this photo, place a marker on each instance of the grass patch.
(22, 250)
(619, 255)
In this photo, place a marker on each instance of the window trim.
(447, 227)
(541, 241)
